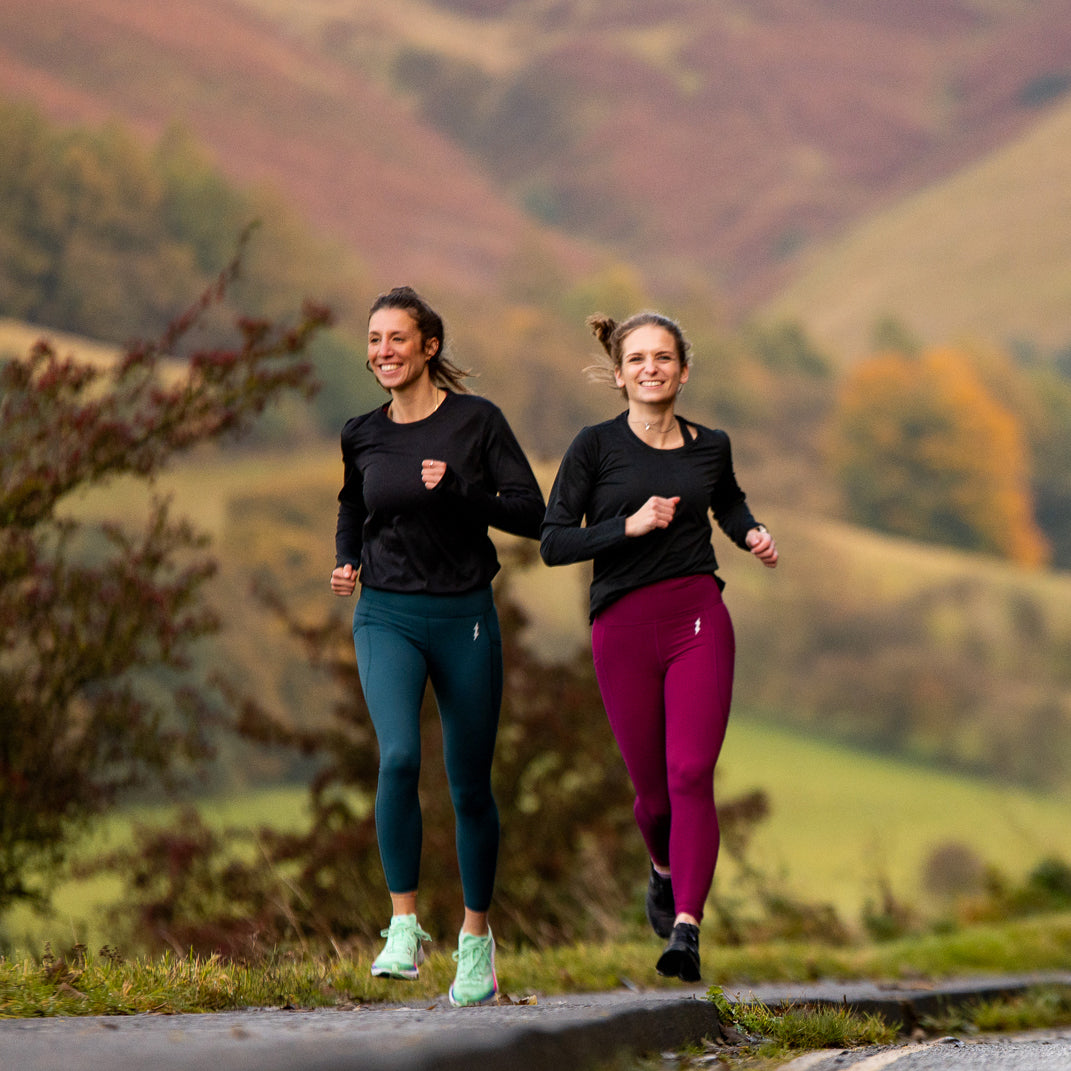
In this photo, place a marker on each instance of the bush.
(98, 623)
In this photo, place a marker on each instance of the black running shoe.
(660, 908)
(680, 958)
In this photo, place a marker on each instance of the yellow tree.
(924, 449)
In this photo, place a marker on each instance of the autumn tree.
(924, 449)
(98, 624)
(104, 236)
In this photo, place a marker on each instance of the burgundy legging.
(664, 661)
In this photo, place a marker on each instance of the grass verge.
(84, 982)
(760, 1038)
(757, 1035)
(1039, 1008)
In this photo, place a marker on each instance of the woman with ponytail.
(634, 494)
(425, 475)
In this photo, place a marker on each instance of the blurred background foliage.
(103, 238)
(920, 493)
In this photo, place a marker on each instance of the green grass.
(757, 1037)
(1039, 1008)
(88, 982)
(841, 821)
(803, 1029)
(79, 906)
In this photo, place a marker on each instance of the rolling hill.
(983, 255)
(715, 146)
(707, 141)
(856, 158)
(356, 163)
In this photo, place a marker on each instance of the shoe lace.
(400, 935)
(473, 958)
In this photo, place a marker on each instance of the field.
(844, 821)
(840, 821)
(80, 905)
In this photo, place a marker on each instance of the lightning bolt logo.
(476, 632)
(698, 625)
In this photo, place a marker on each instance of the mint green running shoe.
(403, 953)
(475, 982)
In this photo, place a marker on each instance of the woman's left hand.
(762, 545)
(431, 472)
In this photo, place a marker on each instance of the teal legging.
(402, 641)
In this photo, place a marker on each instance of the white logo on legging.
(476, 632)
(697, 625)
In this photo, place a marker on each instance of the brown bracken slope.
(713, 143)
(273, 112)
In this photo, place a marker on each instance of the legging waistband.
(662, 600)
(421, 604)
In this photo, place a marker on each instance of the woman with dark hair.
(634, 494)
(425, 475)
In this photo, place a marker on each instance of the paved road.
(556, 1034)
(1043, 1051)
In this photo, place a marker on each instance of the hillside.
(18, 338)
(359, 166)
(529, 162)
(985, 254)
(441, 116)
(711, 145)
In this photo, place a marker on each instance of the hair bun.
(602, 327)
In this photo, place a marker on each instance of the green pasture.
(841, 823)
(844, 822)
(80, 906)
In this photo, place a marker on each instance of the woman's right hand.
(344, 580)
(656, 512)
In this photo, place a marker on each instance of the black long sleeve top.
(406, 538)
(608, 473)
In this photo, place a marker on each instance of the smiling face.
(651, 370)
(396, 352)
